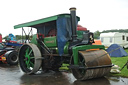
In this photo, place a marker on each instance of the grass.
(120, 61)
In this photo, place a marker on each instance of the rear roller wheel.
(30, 58)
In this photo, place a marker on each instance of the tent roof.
(116, 50)
(41, 21)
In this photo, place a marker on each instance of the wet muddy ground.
(12, 75)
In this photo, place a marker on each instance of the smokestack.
(73, 23)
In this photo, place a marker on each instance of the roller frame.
(84, 47)
(86, 68)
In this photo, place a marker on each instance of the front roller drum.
(30, 58)
(96, 64)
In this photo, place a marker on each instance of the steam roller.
(60, 40)
(92, 64)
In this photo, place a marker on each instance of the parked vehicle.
(8, 55)
(11, 41)
(114, 38)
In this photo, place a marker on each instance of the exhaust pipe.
(73, 23)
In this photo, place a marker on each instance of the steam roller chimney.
(73, 23)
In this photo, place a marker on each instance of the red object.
(40, 35)
(52, 32)
(13, 41)
(80, 28)
(0, 38)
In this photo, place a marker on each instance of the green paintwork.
(50, 41)
(66, 48)
(28, 58)
(64, 67)
(84, 47)
(41, 21)
(55, 49)
(34, 41)
(50, 45)
(79, 34)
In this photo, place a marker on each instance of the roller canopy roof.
(41, 21)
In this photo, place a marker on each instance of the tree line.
(97, 33)
(18, 37)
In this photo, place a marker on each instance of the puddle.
(12, 75)
(118, 80)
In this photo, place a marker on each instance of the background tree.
(96, 34)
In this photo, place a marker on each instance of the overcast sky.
(94, 14)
